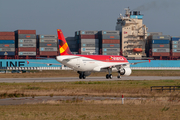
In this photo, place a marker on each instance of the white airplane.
(85, 64)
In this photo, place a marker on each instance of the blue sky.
(45, 16)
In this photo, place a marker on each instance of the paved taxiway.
(72, 79)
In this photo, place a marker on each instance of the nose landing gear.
(119, 77)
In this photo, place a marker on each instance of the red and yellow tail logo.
(111, 58)
(63, 46)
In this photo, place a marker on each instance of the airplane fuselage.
(92, 62)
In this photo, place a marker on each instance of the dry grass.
(71, 73)
(93, 110)
(91, 88)
(158, 105)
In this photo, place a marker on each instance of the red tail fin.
(63, 46)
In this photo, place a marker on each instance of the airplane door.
(78, 63)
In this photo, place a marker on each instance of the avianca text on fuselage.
(117, 58)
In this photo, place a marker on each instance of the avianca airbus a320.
(85, 64)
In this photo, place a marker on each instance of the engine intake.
(126, 71)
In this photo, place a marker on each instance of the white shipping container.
(85, 41)
(26, 41)
(27, 45)
(89, 45)
(89, 49)
(48, 36)
(111, 49)
(48, 49)
(26, 53)
(48, 40)
(83, 32)
(110, 32)
(7, 49)
(161, 50)
(105, 53)
(89, 53)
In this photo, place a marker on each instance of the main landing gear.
(109, 76)
(81, 75)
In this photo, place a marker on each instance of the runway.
(73, 79)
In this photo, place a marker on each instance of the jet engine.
(125, 71)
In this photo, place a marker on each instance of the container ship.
(130, 39)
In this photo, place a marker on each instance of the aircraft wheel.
(119, 77)
(84, 77)
(107, 76)
(110, 76)
(80, 76)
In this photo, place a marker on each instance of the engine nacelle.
(126, 71)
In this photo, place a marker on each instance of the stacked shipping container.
(26, 42)
(110, 42)
(7, 43)
(48, 45)
(175, 45)
(72, 42)
(160, 45)
(88, 42)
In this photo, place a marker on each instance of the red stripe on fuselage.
(105, 58)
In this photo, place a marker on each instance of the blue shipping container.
(175, 39)
(7, 53)
(7, 41)
(160, 41)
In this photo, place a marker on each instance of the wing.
(140, 62)
(48, 64)
(118, 66)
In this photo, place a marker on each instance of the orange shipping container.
(26, 31)
(160, 54)
(7, 37)
(6, 33)
(89, 36)
(175, 54)
(110, 41)
(48, 53)
(27, 49)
